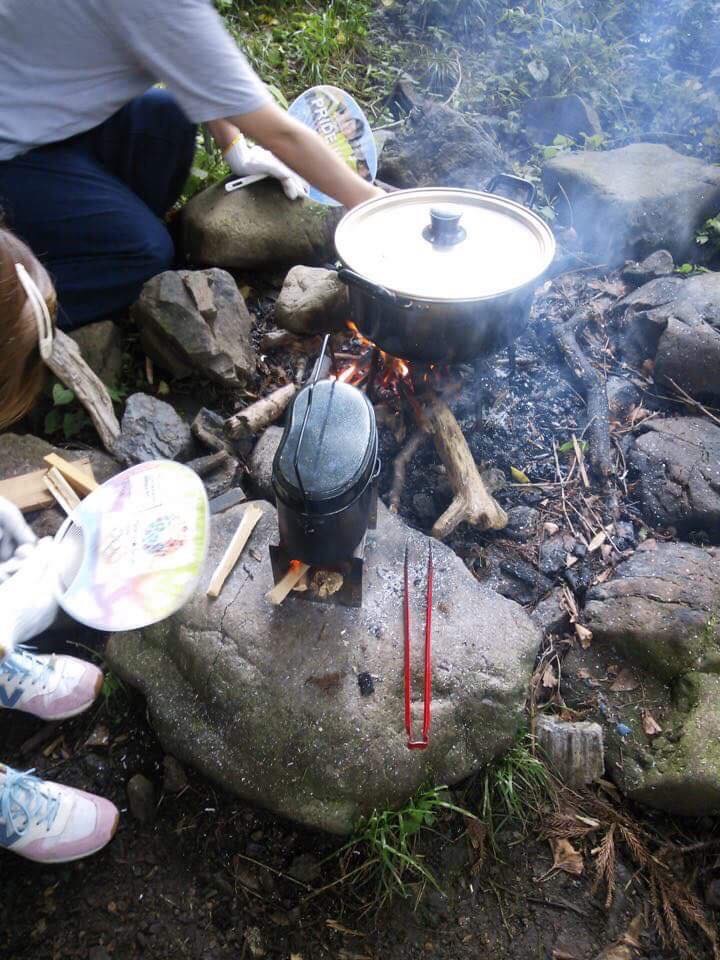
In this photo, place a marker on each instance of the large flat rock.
(257, 228)
(265, 700)
(678, 461)
(629, 202)
(657, 609)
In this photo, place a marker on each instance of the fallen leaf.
(583, 674)
(566, 857)
(584, 635)
(597, 541)
(551, 528)
(626, 946)
(569, 601)
(650, 725)
(563, 955)
(570, 560)
(549, 679)
(518, 476)
(625, 681)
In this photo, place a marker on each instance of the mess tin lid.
(336, 454)
(445, 244)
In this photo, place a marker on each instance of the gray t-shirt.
(68, 65)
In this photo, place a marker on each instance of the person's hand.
(14, 531)
(245, 161)
(29, 595)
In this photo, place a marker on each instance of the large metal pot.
(442, 274)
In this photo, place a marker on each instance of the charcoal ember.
(209, 428)
(522, 523)
(580, 576)
(622, 396)
(513, 577)
(366, 684)
(425, 509)
(554, 552)
(624, 536)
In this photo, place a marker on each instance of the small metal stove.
(325, 481)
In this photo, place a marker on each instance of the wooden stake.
(259, 415)
(78, 480)
(294, 575)
(241, 536)
(61, 490)
(472, 504)
(67, 363)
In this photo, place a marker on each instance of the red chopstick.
(418, 744)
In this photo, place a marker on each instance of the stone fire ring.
(265, 700)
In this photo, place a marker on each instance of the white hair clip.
(40, 310)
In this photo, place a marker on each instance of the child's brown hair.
(22, 371)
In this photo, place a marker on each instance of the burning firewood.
(259, 415)
(472, 504)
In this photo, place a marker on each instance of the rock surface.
(196, 321)
(101, 347)
(312, 300)
(658, 264)
(256, 228)
(469, 157)
(152, 430)
(630, 202)
(570, 116)
(678, 460)
(261, 462)
(659, 705)
(657, 608)
(265, 700)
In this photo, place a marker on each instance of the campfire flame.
(390, 370)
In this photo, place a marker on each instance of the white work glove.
(28, 596)
(245, 161)
(14, 531)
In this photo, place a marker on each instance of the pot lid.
(328, 464)
(445, 244)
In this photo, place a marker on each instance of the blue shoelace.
(22, 665)
(22, 802)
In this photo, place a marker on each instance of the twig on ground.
(691, 402)
(561, 478)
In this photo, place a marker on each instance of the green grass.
(386, 844)
(514, 789)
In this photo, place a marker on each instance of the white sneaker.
(49, 823)
(48, 686)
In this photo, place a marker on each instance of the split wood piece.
(294, 575)
(236, 546)
(28, 491)
(61, 490)
(67, 363)
(473, 503)
(80, 483)
(259, 415)
(593, 386)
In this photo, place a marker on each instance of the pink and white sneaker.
(50, 687)
(49, 823)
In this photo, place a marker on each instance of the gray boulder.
(679, 465)
(261, 462)
(677, 323)
(629, 202)
(439, 147)
(312, 300)
(152, 430)
(266, 701)
(196, 321)
(660, 714)
(658, 264)
(101, 348)
(256, 228)
(570, 116)
(659, 609)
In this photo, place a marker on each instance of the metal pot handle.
(516, 184)
(353, 279)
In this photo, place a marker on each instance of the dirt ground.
(210, 878)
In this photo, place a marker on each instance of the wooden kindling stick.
(288, 583)
(236, 546)
(259, 415)
(61, 490)
(79, 481)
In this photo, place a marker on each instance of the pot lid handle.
(444, 229)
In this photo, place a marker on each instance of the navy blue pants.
(90, 207)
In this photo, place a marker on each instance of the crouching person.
(39, 820)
